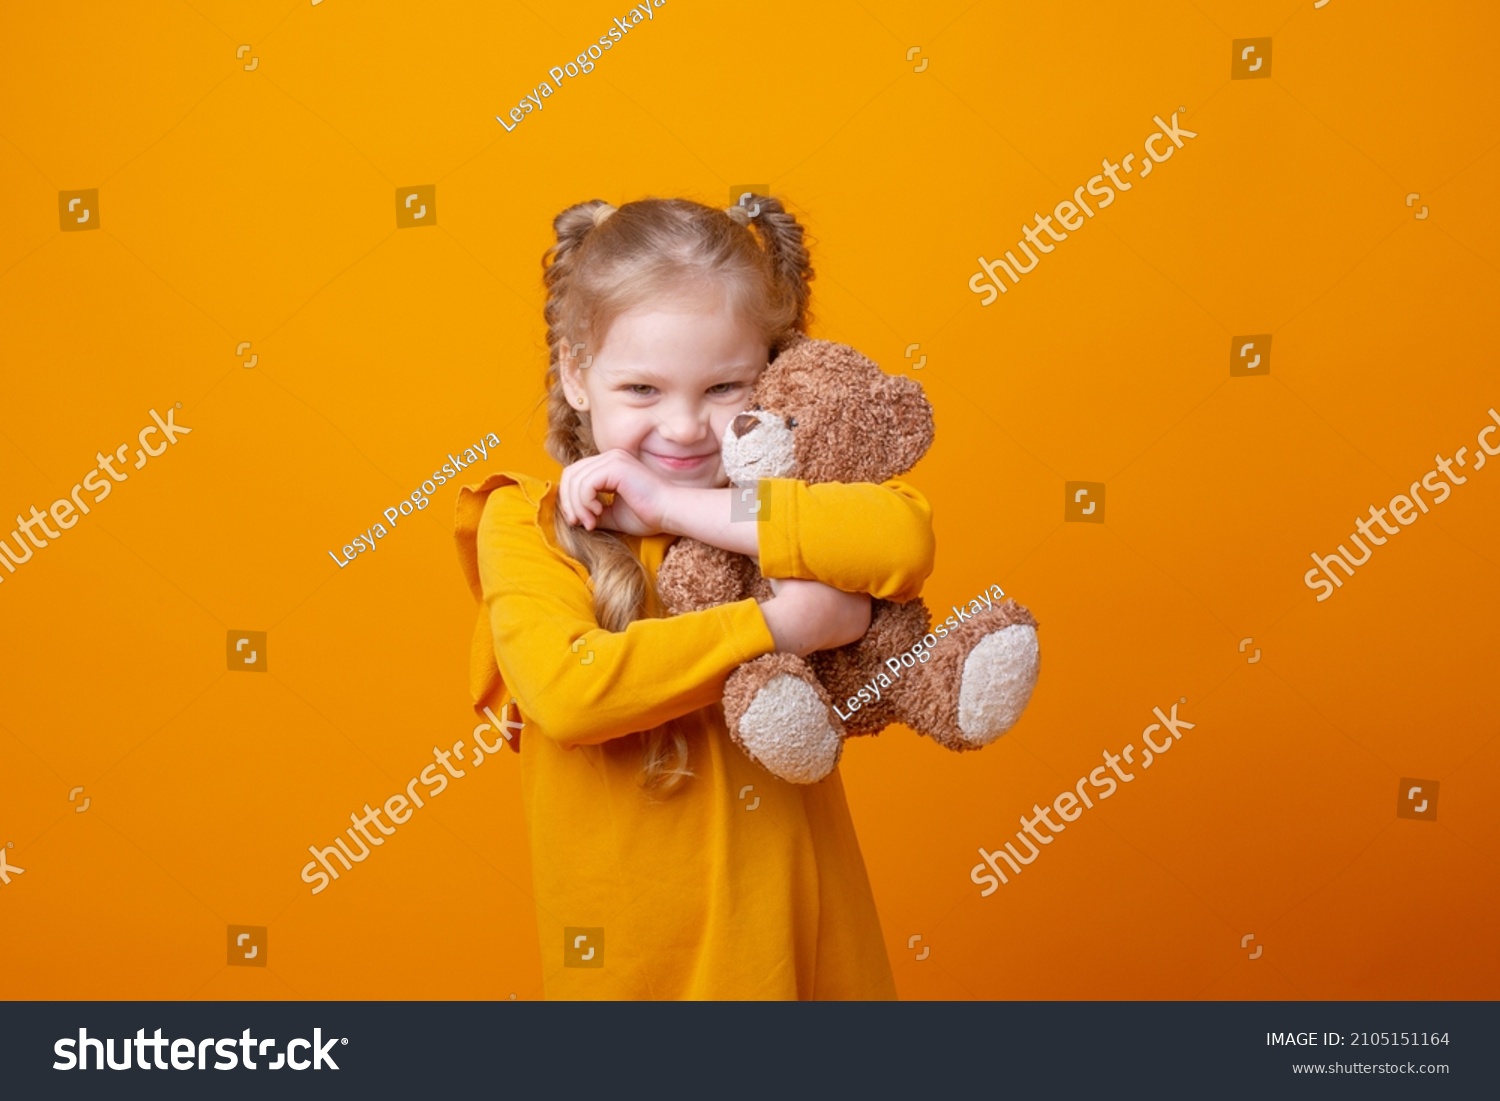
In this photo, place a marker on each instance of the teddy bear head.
(821, 412)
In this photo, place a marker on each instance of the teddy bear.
(822, 412)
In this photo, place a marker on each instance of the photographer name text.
(418, 499)
(580, 65)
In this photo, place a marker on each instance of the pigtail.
(784, 242)
(568, 435)
(618, 580)
(569, 438)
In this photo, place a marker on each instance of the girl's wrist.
(673, 508)
(693, 510)
(706, 515)
(782, 624)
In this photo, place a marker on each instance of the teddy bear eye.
(791, 422)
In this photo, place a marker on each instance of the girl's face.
(666, 383)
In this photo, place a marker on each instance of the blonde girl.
(666, 864)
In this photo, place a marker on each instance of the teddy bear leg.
(979, 680)
(998, 679)
(846, 670)
(779, 714)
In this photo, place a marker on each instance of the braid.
(783, 241)
(618, 579)
(568, 436)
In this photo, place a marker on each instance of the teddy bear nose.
(742, 424)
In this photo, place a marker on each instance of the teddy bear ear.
(911, 429)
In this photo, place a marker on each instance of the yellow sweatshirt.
(738, 885)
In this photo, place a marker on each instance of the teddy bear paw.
(788, 730)
(998, 677)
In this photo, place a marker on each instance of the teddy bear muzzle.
(758, 445)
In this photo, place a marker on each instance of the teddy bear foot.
(998, 677)
(782, 718)
(786, 730)
(978, 682)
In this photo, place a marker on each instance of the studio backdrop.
(1203, 295)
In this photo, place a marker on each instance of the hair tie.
(600, 213)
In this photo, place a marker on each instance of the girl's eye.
(640, 389)
(724, 387)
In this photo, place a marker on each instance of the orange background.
(258, 206)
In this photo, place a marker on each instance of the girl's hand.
(806, 616)
(640, 493)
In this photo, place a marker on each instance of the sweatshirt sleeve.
(857, 537)
(576, 682)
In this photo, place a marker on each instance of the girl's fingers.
(570, 492)
(583, 502)
(579, 488)
(576, 505)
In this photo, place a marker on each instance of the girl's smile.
(672, 463)
(666, 383)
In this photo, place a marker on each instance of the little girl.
(666, 863)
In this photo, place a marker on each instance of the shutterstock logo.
(399, 806)
(1040, 830)
(1073, 214)
(1404, 508)
(74, 1054)
(66, 511)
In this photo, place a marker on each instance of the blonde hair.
(607, 261)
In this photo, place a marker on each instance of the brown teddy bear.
(963, 691)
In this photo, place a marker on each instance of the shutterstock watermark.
(1069, 802)
(1403, 506)
(188, 1054)
(63, 509)
(398, 806)
(1067, 212)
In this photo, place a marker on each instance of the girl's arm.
(858, 537)
(582, 685)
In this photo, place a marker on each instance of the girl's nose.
(687, 425)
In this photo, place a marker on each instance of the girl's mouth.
(692, 463)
